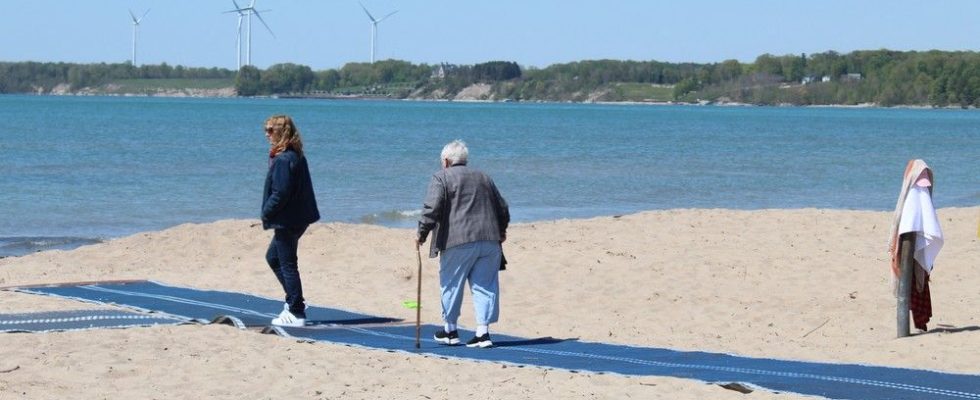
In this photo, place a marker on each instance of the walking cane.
(418, 300)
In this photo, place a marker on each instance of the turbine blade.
(368, 13)
(144, 16)
(386, 16)
(263, 22)
(133, 16)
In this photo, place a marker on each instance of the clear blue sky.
(329, 33)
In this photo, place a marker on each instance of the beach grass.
(390, 89)
(630, 91)
(141, 85)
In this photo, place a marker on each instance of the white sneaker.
(287, 318)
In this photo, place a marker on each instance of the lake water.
(76, 169)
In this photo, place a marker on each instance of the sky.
(325, 34)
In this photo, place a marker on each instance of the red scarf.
(272, 156)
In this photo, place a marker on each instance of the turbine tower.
(136, 24)
(374, 27)
(247, 12)
(238, 36)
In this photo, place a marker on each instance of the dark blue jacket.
(288, 200)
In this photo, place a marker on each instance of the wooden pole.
(906, 251)
(418, 301)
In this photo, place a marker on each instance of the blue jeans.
(282, 258)
(479, 264)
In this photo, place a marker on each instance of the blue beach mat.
(59, 321)
(836, 381)
(204, 306)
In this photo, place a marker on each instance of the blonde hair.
(289, 138)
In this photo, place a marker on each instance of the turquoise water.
(100, 167)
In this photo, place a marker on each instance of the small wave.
(21, 245)
(392, 218)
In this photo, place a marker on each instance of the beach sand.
(795, 284)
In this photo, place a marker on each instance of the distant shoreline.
(201, 94)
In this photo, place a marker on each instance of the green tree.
(684, 87)
(326, 80)
(728, 70)
(496, 71)
(792, 68)
(768, 64)
(286, 78)
(248, 82)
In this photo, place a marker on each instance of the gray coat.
(462, 206)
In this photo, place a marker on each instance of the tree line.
(370, 78)
(32, 77)
(883, 77)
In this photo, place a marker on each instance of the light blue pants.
(478, 263)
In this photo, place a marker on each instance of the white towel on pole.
(919, 216)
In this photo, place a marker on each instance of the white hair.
(456, 152)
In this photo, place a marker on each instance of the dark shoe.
(480, 341)
(450, 338)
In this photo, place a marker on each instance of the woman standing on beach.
(288, 207)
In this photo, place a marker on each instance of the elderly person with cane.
(468, 220)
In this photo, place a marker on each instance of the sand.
(797, 284)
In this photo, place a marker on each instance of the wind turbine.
(374, 27)
(238, 36)
(136, 24)
(247, 13)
